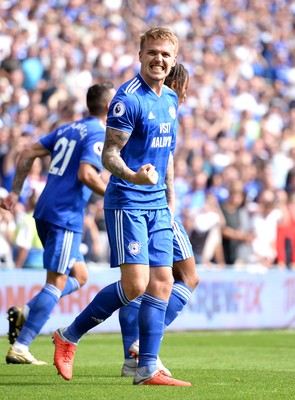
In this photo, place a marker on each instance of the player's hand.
(9, 202)
(146, 175)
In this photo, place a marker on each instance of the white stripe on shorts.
(65, 252)
(182, 242)
(119, 236)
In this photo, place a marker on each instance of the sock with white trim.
(108, 300)
(179, 297)
(40, 311)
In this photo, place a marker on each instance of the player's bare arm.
(25, 163)
(111, 159)
(23, 168)
(169, 180)
(115, 140)
(88, 174)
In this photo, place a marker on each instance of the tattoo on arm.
(169, 180)
(25, 163)
(111, 159)
(22, 170)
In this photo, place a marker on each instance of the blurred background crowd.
(235, 157)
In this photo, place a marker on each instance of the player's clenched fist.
(146, 175)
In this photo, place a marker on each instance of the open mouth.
(157, 68)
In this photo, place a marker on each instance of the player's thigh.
(128, 236)
(61, 247)
(160, 238)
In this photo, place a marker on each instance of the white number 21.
(65, 150)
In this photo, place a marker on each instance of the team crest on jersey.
(119, 109)
(172, 112)
(134, 248)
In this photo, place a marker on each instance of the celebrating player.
(75, 150)
(138, 151)
(184, 269)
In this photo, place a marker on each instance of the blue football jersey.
(64, 197)
(151, 121)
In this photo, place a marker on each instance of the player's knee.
(135, 290)
(80, 272)
(195, 280)
(82, 279)
(192, 280)
(186, 272)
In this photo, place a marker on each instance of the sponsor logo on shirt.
(161, 141)
(165, 127)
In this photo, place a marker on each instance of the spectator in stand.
(290, 181)
(237, 232)
(285, 242)
(241, 85)
(265, 223)
(91, 243)
(204, 228)
(194, 200)
(181, 184)
(7, 231)
(28, 246)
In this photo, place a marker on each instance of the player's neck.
(102, 118)
(155, 85)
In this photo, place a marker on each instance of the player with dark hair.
(138, 151)
(184, 269)
(75, 150)
(178, 80)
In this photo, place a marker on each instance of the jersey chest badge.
(172, 112)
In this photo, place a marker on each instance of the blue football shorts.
(182, 248)
(140, 237)
(61, 247)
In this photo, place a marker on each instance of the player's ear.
(173, 85)
(174, 62)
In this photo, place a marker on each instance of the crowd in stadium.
(235, 157)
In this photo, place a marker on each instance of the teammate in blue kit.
(138, 151)
(184, 269)
(75, 151)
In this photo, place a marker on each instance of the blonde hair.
(159, 33)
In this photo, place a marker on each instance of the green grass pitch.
(231, 365)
